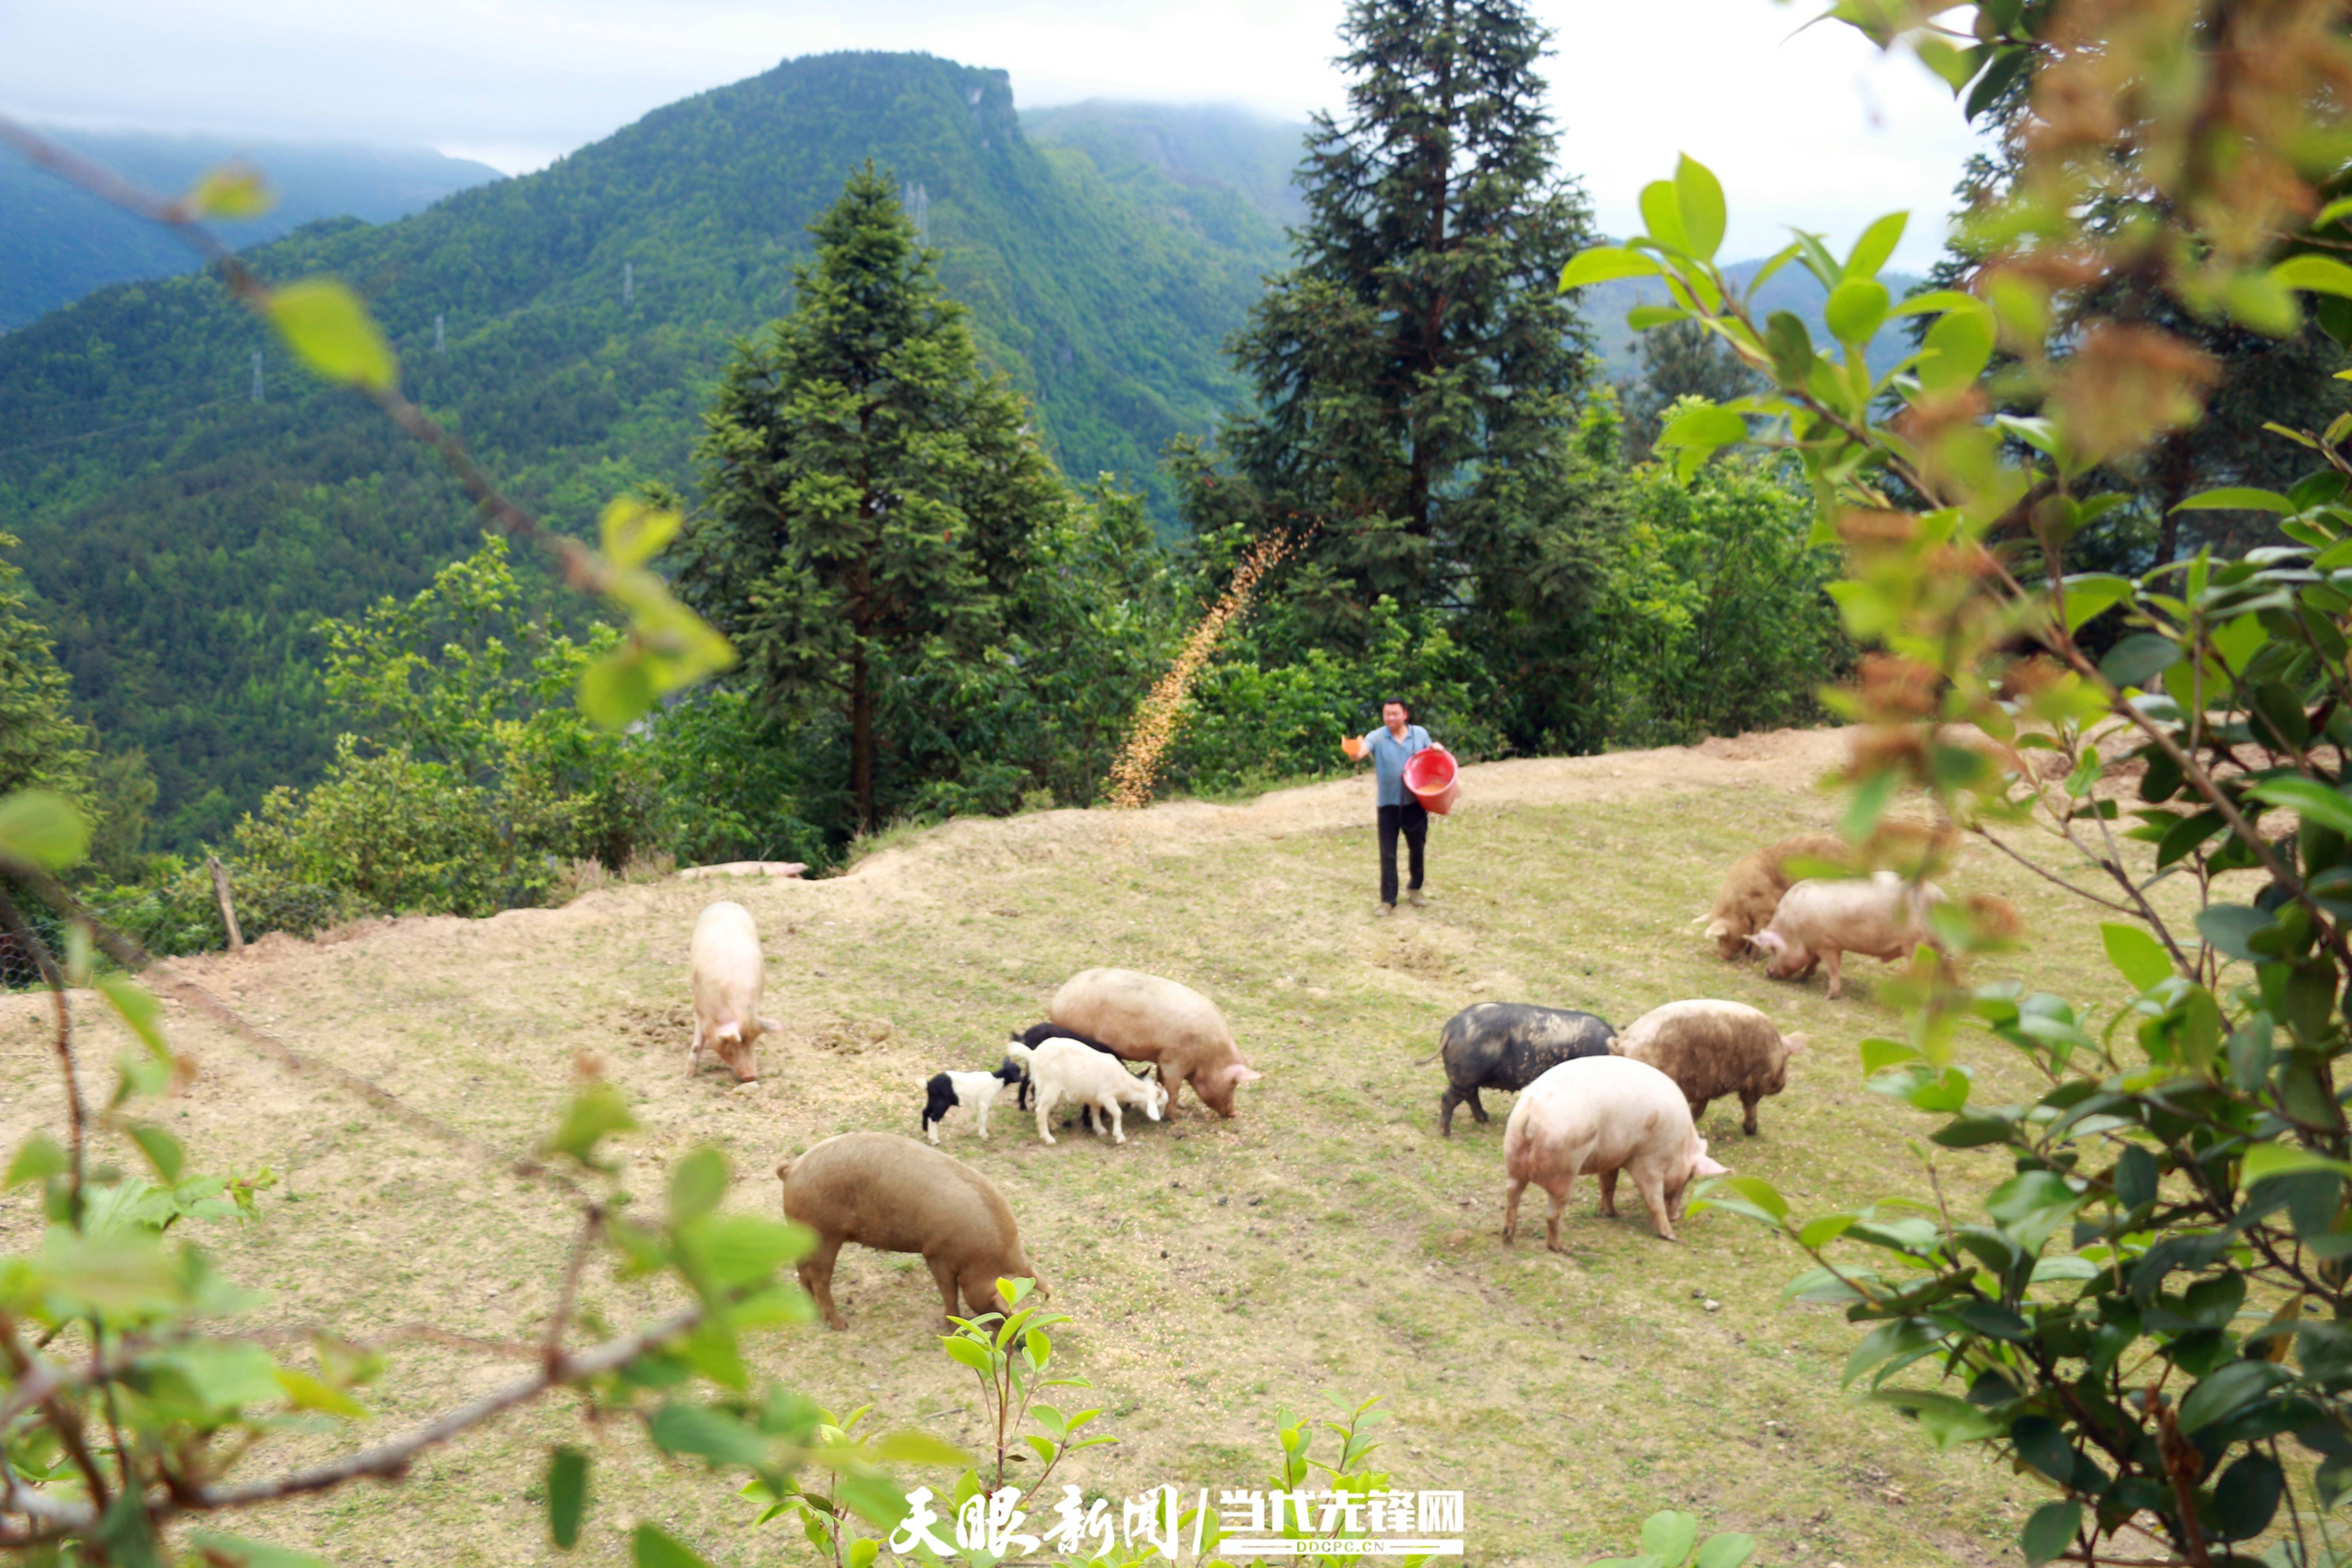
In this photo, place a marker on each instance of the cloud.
(1814, 130)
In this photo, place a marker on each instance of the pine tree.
(1416, 366)
(42, 745)
(1680, 360)
(869, 493)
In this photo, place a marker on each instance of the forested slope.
(183, 536)
(57, 243)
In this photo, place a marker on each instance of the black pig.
(1507, 1046)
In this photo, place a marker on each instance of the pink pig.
(1600, 1115)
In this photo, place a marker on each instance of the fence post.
(228, 908)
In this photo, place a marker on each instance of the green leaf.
(738, 1248)
(912, 1448)
(2228, 928)
(1757, 1191)
(162, 1151)
(2239, 498)
(1825, 1228)
(2309, 799)
(2236, 1384)
(2139, 956)
(2263, 1160)
(2089, 592)
(1959, 347)
(1604, 264)
(1877, 244)
(330, 331)
(616, 690)
(1726, 1551)
(231, 1550)
(2050, 1531)
(137, 1008)
(37, 1158)
(595, 1112)
(2138, 658)
(973, 1355)
(709, 1434)
(1662, 210)
(229, 191)
(42, 828)
(651, 1547)
(1699, 197)
(567, 1495)
(696, 1184)
(634, 533)
(1856, 309)
(1667, 1536)
(2314, 274)
(863, 1550)
(308, 1393)
(1696, 434)
(1643, 318)
(1791, 346)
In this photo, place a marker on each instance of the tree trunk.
(227, 906)
(861, 741)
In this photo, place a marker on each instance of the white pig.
(1598, 1116)
(1820, 922)
(725, 959)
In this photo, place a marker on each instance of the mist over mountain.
(57, 243)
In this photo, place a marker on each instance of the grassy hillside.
(1325, 1241)
(57, 243)
(183, 537)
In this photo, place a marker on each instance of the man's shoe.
(1385, 909)
(1414, 898)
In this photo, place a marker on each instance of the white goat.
(1066, 1070)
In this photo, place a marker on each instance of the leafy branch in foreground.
(328, 329)
(132, 1399)
(2157, 1294)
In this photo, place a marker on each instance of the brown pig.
(1147, 1019)
(1711, 1049)
(1752, 888)
(894, 1194)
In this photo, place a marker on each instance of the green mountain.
(57, 243)
(184, 536)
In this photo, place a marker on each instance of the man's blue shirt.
(1390, 755)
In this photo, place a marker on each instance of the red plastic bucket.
(1434, 779)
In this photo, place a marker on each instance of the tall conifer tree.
(42, 744)
(1416, 368)
(869, 494)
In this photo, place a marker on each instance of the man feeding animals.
(1390, 747)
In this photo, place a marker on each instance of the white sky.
(1808, 128)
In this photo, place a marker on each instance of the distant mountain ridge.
(58, 243)
(184, 537)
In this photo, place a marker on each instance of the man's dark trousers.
(1411, 821)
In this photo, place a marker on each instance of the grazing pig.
(1507, 1046)
(1752, 888)
(894, 1194)
(946, 1090)
(1070, 1070)
(1820, 922)
(1144, 1018)
(724, 957)
(1713, 1049)
(1600, 1115)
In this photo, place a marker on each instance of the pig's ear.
(1794, 1042)
(1707, 1167)
(1718, 928)
(1245, 1074)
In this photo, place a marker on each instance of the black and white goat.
(975, 1090)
